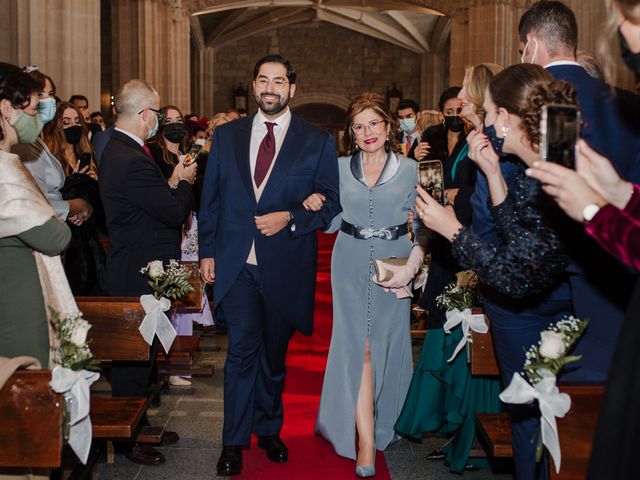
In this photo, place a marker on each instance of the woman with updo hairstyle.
(29, 226)
(369, 364)
(520, 257)
(444, 397)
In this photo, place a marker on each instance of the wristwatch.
(590, 211)
(291, 222)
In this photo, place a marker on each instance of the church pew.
(31, 419)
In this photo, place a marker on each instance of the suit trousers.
(254, 371)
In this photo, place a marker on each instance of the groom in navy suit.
(258, 244)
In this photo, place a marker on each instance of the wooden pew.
(31, 416)
(114, 336)
(576, 431)
(483, 355)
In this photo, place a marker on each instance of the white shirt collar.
(561, 62)
(282, 121)
(137, 139)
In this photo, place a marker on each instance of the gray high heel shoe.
(366, 471)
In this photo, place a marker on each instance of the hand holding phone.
(431, 178)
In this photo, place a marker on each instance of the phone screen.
(559, 132)
(193, 154)
(430, 177)
(85, 161)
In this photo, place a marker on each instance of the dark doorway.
(327, 117)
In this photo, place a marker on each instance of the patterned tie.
(266, 153)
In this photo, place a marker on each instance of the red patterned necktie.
(266, 152)
(146, 148)
(408, 145)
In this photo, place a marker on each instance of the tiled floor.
(196, 414)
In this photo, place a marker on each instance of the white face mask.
(200, 141)
(524, 52)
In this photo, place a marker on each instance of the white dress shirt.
(258, 132)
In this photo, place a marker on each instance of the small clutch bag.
(383, 274)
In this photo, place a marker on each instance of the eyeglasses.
(375, 126)
(278, 82)
(158, 113)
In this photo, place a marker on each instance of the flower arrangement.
(462, 294)
(171, 283)
(543, 362)
(549, 356)
(72, 350)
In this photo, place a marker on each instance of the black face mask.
(174, 132)
(73, 134)
(631, 60)
(454, 123)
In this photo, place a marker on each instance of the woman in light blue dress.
(369, 366)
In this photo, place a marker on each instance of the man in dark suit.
(408, 113)
(144, 217)
(600, 287)
(258, 243)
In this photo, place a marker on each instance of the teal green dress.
(444, 398)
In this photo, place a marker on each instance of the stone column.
(61, 36)
(151, 42)
(433, 79)
(203, 81)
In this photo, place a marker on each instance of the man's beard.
(274, 108)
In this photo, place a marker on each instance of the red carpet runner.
(310, 456)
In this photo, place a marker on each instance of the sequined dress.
(363, 310)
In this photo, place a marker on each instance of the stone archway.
(320, 98)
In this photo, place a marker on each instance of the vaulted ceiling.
(414, 25)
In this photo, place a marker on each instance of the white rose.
(156, 269)
(79, 335)
(552, 344)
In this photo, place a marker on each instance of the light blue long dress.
(363, 309)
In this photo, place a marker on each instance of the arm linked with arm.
(326, 183)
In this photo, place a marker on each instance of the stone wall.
(358, 63)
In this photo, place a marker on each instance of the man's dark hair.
(291, 72)
(95, 114)
(408, 103)
(552, 22)
(73, 98)
(448, 94)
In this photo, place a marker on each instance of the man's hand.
(272, 223)
(79, 211)
(208, 270)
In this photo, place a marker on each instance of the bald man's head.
(134, 96)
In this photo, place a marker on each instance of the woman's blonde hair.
(217, 120)
(476, 80)
(429, 118)
(608, 49)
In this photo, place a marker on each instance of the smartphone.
(559, 132)
(431, 178)
(85, 161)
(192, 156)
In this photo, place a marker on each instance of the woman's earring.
(505, 130)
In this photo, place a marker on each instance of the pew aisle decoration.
(543, 362)
(167, 284)
(72, 377)
(458, 299)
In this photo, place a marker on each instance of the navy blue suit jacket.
(600, 286)
(99, 142)
(287, 261)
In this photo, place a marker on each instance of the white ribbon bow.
(475, 322)
(551, 402)
(74, 384)
(156, 322)
(383, 233)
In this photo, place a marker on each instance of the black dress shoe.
(169, 437)
(230, 461)
(276, 449)
(437, 454)
(144, 455)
